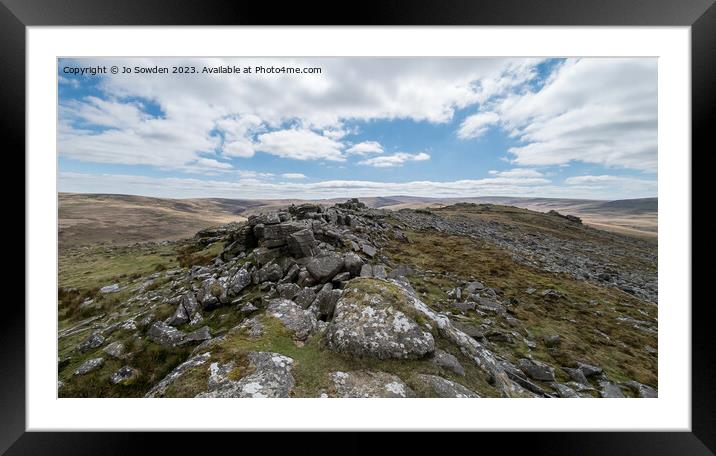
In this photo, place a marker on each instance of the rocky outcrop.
(125, 376)
(448, 362)
(165, 335)
(367, 384)
(89, 366)
(469, 346)
(298, 321)
(92, 342)
(324, 267)
(160, 388)
(441, 387)
(271, 378)
(330, 279)
(368, 321)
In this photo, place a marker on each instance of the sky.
(358, 127)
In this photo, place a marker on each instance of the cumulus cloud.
(581, 180)
(477, 124)
(366, 147)
(388, 161)
(293, 176)
(601, 111)
(224, 114)
(237, 131)
(517, 172)
(258, 188)
(598, 111)
(300, 144)
(253, 185)
(104, 113)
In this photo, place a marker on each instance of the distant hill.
(124, 219)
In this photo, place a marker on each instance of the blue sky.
(581, 128)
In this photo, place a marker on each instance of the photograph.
(357, 227)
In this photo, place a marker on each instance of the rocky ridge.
(323, 275)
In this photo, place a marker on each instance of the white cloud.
(387, 161)
(477, 124)
(335, 133)
(581, 180)
(236, 131)
(300, 144)
(601, 111)
(254, 187)
(293, 176)
(366, 147)
(68, 81)
(240, 148)
(213, 164)
(197, 112)
(104, 113)
(517, 172)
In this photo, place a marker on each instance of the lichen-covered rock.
(287, 290)
(379, 271)
(124, 376)
(212, 293)
(473, 287)
(576, 375)
(179, 317)
(281, 232)
(447, 361)
(641, 390)
(369, 250)
(115, 349)
(297, 320)
(263, 255)
(610, 389)
(368, 321)
(441, 387)
(110, 288)
(366, 270)
(200, 335)
(93, 341)
(272, 272)
(271, 378)
(323, 268)
(239, 281)
(469, 346)
(564, 390)
(251, 326)
(165, 335)
(160, 388)
(367, 384)
(589, 370)
(519, 377)
(537, 370)
(353, 264)
(89, 366)
(302, 243)
(305, 297)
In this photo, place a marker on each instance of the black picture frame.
(700, 15)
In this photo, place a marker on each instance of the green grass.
(196, 255)
(95, 267)
(153, 361)
(574, 318)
